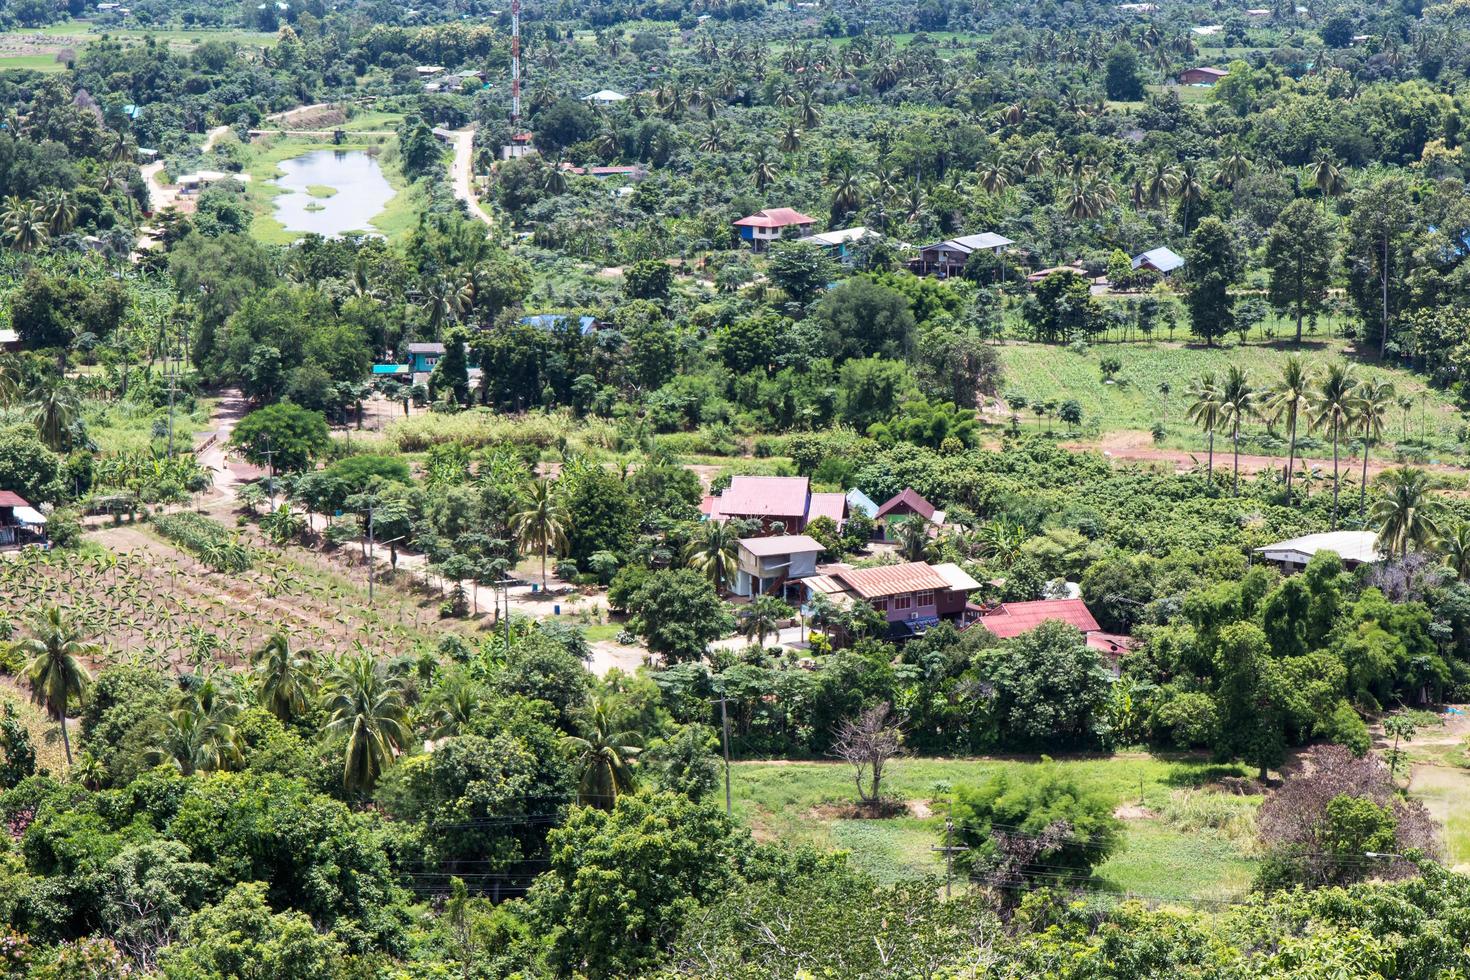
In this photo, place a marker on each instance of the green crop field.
(1151, 386)
(806, 803)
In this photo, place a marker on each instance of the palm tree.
(1205, 411)
(1288, 399)
(1328, 178)
(764, 171)
(1237, 403)
(283, 677)
(554, 181)
(913, 536)
(192, 738)
(1334, 403)
(1233, 168)
(24, 224)
(1375, 401)
(60, 212)
(716, 553)
(790, 140)
(1405, 514)
(54, 669)
(453, 705)
(762, 615)
(995, 176)
(807, 113)
(604, 757)
(847, 193)
(1455, 547)
(55, 408)
(1161, 184)
(366, 707)
(1190, 190)
(542, 525)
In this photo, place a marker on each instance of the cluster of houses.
(779, 559)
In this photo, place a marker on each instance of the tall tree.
(1288, 400)
(1299, 250)
(1204, 411)
(1334, 405)
(55, 650)
(283, 678)
(1214, 264)
(604, 758)
(541, 526)
(1375, 401)
(715, 553)
(1382, 215)
(1237, 404)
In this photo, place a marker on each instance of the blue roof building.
(859, 501)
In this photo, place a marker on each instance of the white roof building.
(605, 97)
(841, 236)
(1355, 548)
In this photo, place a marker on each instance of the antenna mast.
(515, 66)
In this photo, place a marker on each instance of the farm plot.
(149, 602)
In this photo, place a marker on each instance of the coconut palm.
(764, 169)
(59, 211)
(995, 176)
(283, 677)
(541, 526)
(1455, 549)
(1190, 190)
(762, 615)
(1375, 401)
(24, 224)
(715, 553)
(1234, 167)
(847, 193)
(1328, 178)
(912, 533)
(604, 758)
(366, 707)
(54, 651)
(1405, 515)
(1334, 405)
(1288, 400)
(1205, 411)
(1237, 404)
(452, 706)
(790, 140)
(195, 738)
(55, 407)
(1161, 184)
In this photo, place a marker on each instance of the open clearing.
(48, 48)
(795, 802)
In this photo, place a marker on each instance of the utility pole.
(725, 727)
(950, 850)
(173, 388)
(371, 563)
(503, 585)
(270, 462)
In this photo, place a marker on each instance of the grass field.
(36, 49)
(800, 803)
(1137, 399)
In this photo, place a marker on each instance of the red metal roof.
(833, 505)
(763, 496)
(11, 499)
(775, 218)
(1015, 618)
(911, 500)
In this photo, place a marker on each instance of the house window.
(902, 602)
(924, 599)
(881, 605)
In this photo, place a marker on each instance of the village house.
(1011, 619)
(774, 565)
(764, 227)
(1201, 76)
(200, 179)
(605, 97)
(838, 244)
(781, 504)
(948, 258)
(902, 505)
(1161, 260)
(423, 357)
(911, 597)
(1353, 547)
(20, 523)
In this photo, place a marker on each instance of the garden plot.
(151, 602)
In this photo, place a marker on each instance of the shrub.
(208, 540)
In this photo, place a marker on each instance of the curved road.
(161, 196)
(461, 170)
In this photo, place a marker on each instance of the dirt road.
(461, 172)
(1137, 447)
(228, 471)
(162, 196)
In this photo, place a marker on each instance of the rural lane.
(461, 171)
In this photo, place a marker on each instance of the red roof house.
(764, 227)
(783, 504)
(904, 505)
(1014, 618)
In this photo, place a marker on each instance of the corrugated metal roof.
(775, 218)
(9, 498)
(763, 496)
(908, 498)
(887, 580)
(1015, 618)
(956, 577)
(781, 544)
(833, 505)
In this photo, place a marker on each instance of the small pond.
(331, 192)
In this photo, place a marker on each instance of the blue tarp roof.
(857, 500)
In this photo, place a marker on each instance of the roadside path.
(162, 196)
(461, 171)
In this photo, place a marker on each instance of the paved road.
(461, 171)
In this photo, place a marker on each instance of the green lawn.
(800, 803)
(31, 62)
(1137, 400)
